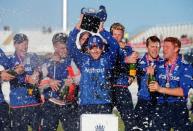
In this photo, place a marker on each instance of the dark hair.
(83, 33)
(60, 37)
(19, 38)
(84, 46)
(153, 39)
(117, 26)
(175, 41)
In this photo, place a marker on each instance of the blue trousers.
(172, 115)
(144, 113)
(4, 117)
(95, 108)
(22, 117)
(122, 100)
(67, 114)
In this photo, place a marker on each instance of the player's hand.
(19, 69)
(78, 25)
(101, 26)
(69, 81)
(6, 76)
(42, 98)
(54, 84)
(150, 70)
(132, 58)
(154, 86)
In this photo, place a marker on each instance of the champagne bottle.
(12, 72)
(132, 69)
(151, 78)
(191, 98)
(63, 92)
(33, 88)
(30, 89)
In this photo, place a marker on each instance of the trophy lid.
(100, 13)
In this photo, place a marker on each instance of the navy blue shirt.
(56, 71)
(121, 68)
(19, 93)
(142, 76)
(95, 80)
(4, 61)
(180, 77)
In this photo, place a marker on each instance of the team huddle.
(40, 92)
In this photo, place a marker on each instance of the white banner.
(99, 122)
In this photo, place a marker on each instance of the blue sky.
(136, 15)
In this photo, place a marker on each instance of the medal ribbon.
(148, 61)
(20, 59)
(169, 71)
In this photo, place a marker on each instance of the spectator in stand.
(122, 98)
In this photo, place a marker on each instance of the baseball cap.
(59, 37)
(19, 38)
(95, 41)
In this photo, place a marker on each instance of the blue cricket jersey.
(19, 96)
(4, 61)
(180, 77)
(95, 81)
(142, 76)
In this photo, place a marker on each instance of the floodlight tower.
(64, 19)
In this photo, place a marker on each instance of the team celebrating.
(95, 78)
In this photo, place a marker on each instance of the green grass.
(60, 127)
(191, 116)
(121, 125)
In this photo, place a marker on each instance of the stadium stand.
(39, 41)
(164, 31)
(182, 31)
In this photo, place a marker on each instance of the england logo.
(99, 127)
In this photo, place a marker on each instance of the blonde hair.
(117, 26)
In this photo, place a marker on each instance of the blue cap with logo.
(95, 41)
(19, 38)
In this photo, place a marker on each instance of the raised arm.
(74, 52)
(112, 43)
